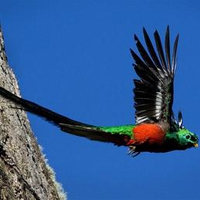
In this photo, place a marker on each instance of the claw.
(132, 151)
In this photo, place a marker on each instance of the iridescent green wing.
(153, 93)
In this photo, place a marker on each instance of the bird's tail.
(66, 124)
(36, 109)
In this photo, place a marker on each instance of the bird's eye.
(188, 137)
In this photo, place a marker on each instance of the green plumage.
(181, 140)
(122, 130)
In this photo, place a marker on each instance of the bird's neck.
(171, 140)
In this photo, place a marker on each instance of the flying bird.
(155, 129)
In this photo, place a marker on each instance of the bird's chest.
(149, 134)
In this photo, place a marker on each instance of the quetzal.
(155, 129)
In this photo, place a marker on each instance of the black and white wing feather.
(153, 93)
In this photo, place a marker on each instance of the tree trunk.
(24, 174)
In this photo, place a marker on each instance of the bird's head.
(182, 136)
(187, 139)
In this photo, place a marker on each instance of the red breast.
(150, 133)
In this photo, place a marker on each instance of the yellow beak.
(196, 145)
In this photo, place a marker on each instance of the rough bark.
(24, 174)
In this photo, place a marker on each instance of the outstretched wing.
(154, 90)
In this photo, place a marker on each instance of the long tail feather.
(102, 134)
(36, 109)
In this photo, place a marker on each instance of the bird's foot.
(132, 151)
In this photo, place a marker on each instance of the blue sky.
(73, 57)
